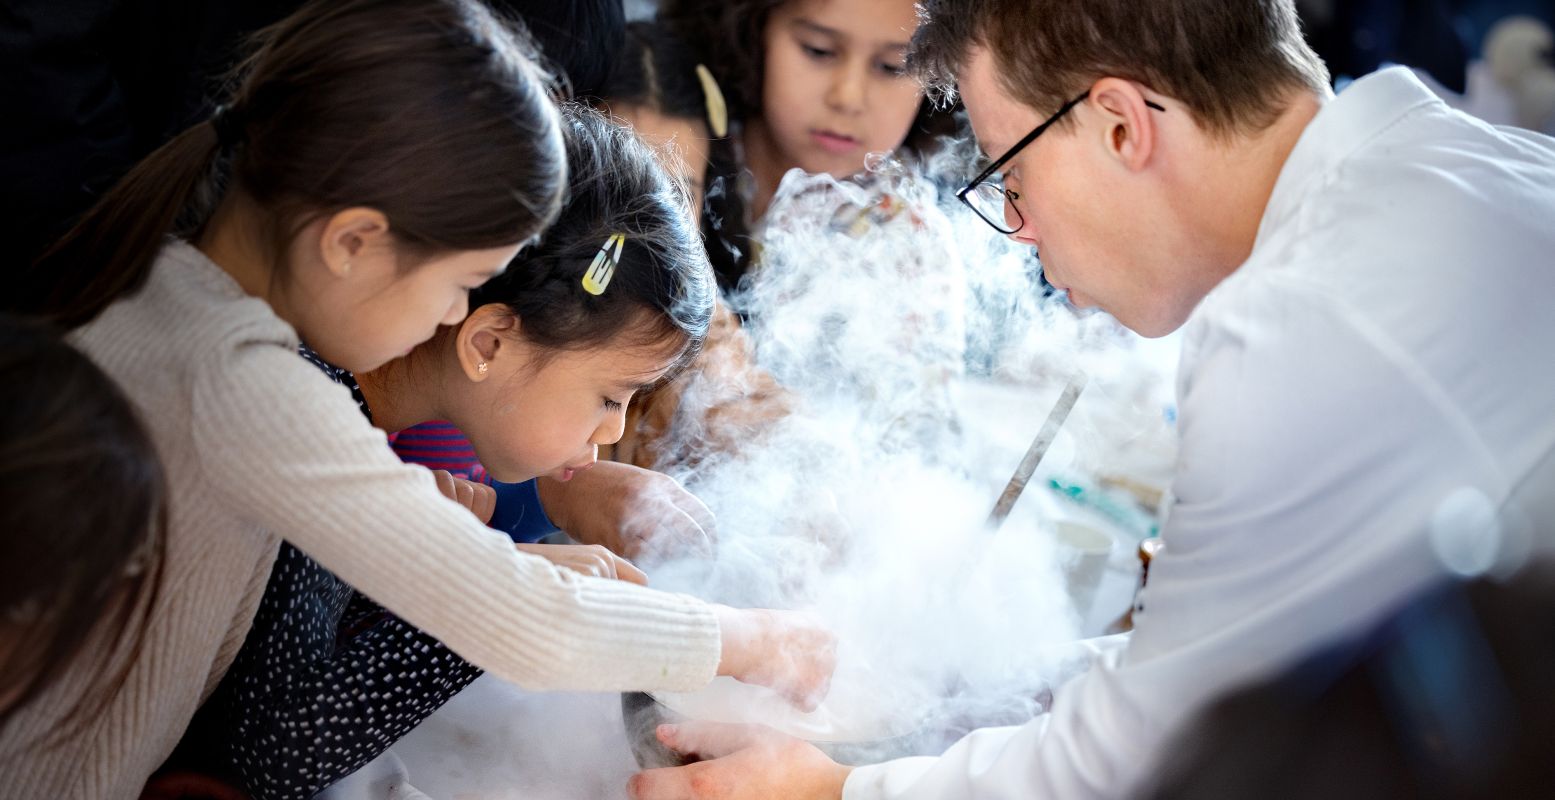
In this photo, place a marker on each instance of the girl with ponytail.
(376, 161)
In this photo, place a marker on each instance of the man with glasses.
(1367, 397)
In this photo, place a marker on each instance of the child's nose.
(846, 93)
(611, 429)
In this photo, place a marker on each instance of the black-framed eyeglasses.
(986, 194)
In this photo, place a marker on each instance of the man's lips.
(833, 142)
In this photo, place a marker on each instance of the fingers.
(713, 739)
(626, 571)
(479, 498)
(445, 484)
(485, 503)
(699, 512)
(669, 533)
(588, 559)
(595, 560)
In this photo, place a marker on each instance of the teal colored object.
(1128, 515)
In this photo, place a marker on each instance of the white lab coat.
(1369, 398)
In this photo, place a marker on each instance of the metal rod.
(1038, 449)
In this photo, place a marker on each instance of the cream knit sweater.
(259, 446)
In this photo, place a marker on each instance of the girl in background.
(676, 105)
(377, 160)
(811, 84)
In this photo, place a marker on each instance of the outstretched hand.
(744, 762)
(786, 651)
(635, 512)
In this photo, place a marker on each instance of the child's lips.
(567, 473)
(833, 142)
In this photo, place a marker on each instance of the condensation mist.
(922, 356)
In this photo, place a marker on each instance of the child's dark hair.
(431, 111)
(662, 279)
(656, 71)
(82, 504)
(579, 38)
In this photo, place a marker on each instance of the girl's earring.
(481, 368)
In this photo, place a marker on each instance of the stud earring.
(481, 368)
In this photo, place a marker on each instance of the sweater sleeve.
(292, 453)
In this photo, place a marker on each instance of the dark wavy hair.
(83, 503)
(662, 290)
(431, 111)
(656, 71)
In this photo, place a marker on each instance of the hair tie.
(228, 124)
(603, 268)
(717, 109)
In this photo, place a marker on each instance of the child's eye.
(611, 405)
(817, 53)
(893, 70)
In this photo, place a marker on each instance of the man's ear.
(488, 335)
(347, 234)
(1128, 129)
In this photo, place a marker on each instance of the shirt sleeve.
(1315, 464)
(519, 513)
(291, 453)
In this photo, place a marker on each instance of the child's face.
(363, 308)
(527, 418)
(835, 86)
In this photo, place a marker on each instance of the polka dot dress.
(327, 680)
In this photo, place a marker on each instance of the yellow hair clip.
(717, 109)
(603, 268)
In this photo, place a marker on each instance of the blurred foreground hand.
(745, 762)
(636, 513)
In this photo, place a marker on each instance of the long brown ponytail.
(431, 111)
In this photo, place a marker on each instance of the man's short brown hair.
(1233, 63)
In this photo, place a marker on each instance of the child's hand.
(636, 512)
(784, 650)
(479, 498)
(589, 559)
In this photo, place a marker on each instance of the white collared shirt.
(1369, 398)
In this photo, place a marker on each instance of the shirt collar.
(1346, 123)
